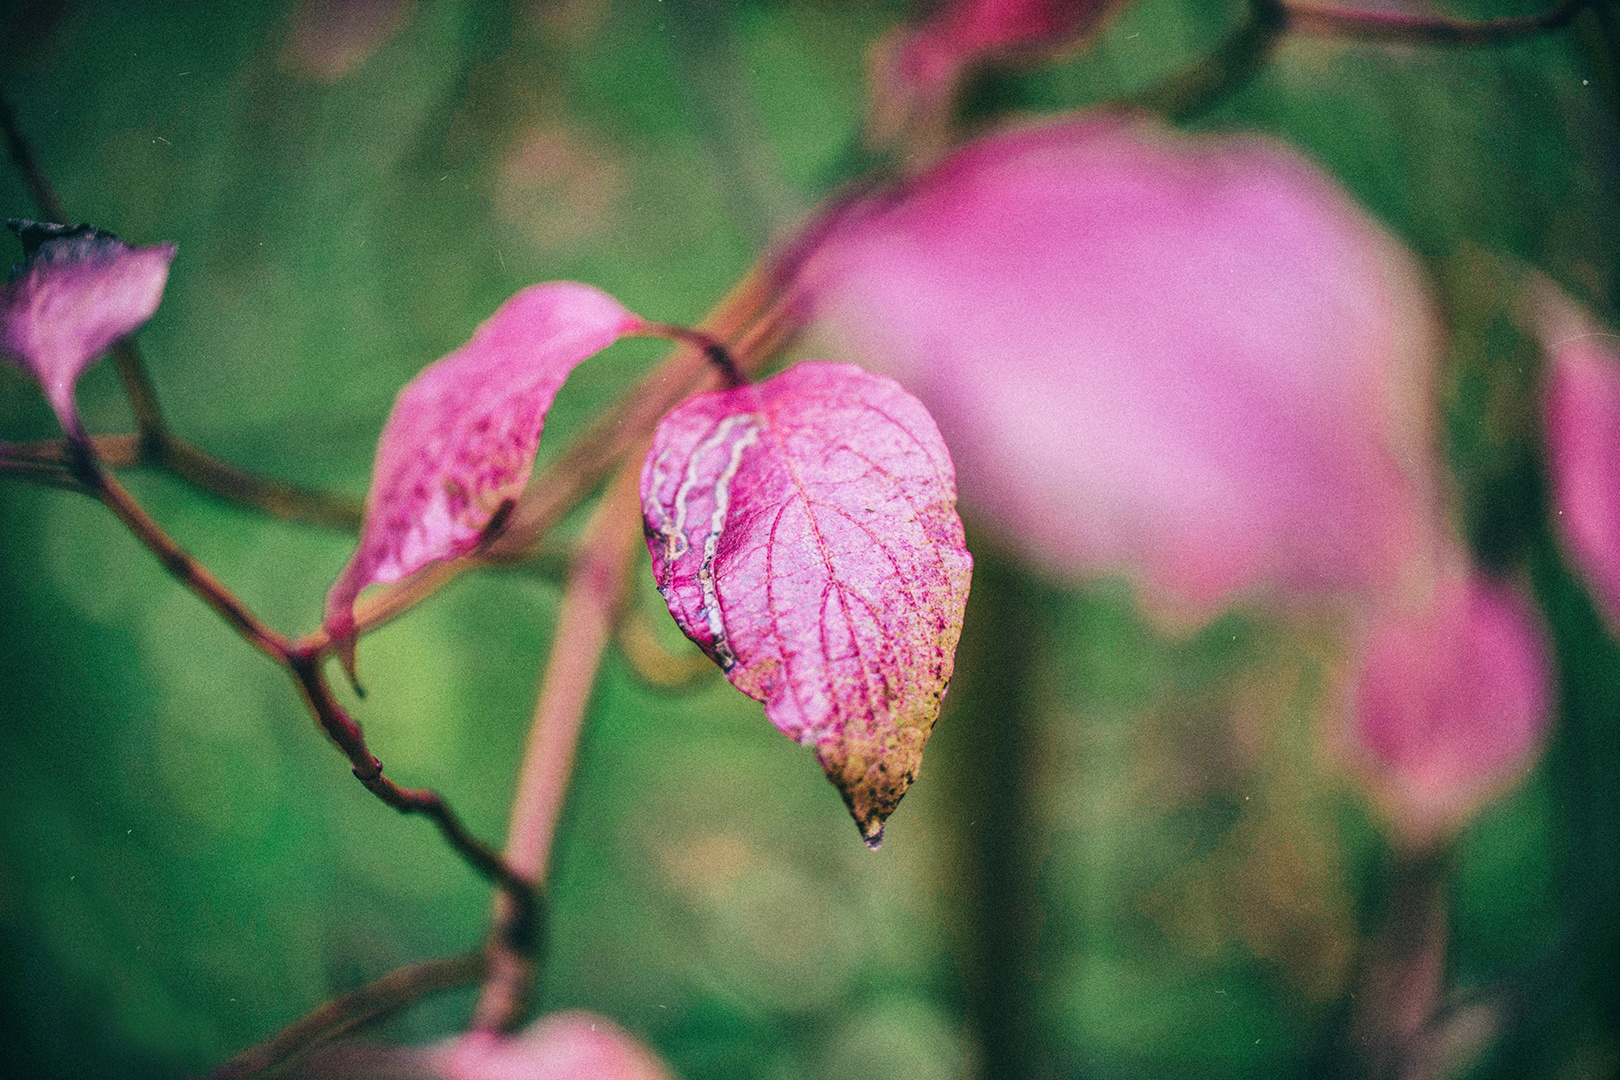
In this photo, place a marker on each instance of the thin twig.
(714, 351)
(346, 732)
(275, 498)
(1209, 80)
(174, 558)
(1397, 27)
(304, 666)
(270, 497)
(41, 472)
(590, 607)
(39, 185)
(373, 1002)
(116, 451)
(142, 395)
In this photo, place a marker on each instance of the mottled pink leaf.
(1454, 700)
(804, 533)
(1188, 359)
(79, 291)
(1581, 418)
(461, 439)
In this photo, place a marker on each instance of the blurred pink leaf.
(564, 1046)
(1194, 362)
(1581, 418)
(804, 533)
(461, 439)
(916, 72)
(1454, 700)
(78, 292)
(1188, 359)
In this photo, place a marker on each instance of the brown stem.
(1209, 80)
(713, 351)
(44, 473)
(117, 451)
(180, 458)
(373, 1002)
(174, 558)
(39, 185)
(1392, 26)
(272, 497)
(143, 400)
(1402, 978)
(346, 732)
(590, 607)
(305, 669)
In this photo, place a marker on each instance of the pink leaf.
(1185, 358)
(79, 291)
(564, 1046)
(460, 442)
(1454, 700)
(804, 533)
(1581, 418)
(962, 31)
(1193, 361)
(915, 74)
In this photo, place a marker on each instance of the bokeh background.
(1129, 854)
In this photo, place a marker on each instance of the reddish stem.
(305, 668)
(1425, 30)
(174, 558)
(589, 609)
(356, 1009)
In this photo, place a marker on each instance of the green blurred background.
(1129, 855)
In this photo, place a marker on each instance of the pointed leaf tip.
(77, 292)
(460, 442)
(804, 533)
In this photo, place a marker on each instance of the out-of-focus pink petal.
(1189, 359)
(804, 533)
(917, 70)
(962, 31)
(79, 291)
(564, 1046)
(461, 439)
(1454, 700)
(1581, 419)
